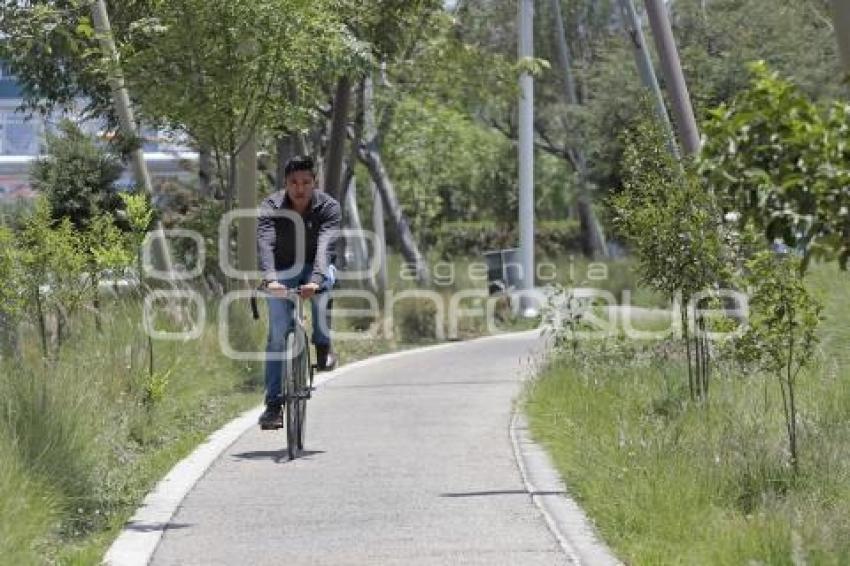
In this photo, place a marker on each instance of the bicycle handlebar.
(279, 293)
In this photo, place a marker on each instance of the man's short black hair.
(299, 163)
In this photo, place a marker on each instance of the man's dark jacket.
(276, 242)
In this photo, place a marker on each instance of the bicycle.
(297, 388)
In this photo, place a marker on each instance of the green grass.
(668, 482)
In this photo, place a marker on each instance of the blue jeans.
(281, 322)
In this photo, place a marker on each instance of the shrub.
(415, 320)
(77, 177)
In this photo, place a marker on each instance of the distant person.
(276, 247)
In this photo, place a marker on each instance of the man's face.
(299, 187)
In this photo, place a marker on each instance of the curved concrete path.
(409, 462)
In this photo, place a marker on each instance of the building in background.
(22, 138)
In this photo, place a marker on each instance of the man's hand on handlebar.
(274, 287)
(279, 289)
(308, 290)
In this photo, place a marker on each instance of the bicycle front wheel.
(291, 396)
(301, 367)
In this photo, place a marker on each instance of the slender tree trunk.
(61, 324)
(358, 243)
(121, 99)
(98, 316)
(286, 148)
(372, 159)
(687, 336)
(9, 336)
(370, 131)
(338, 137)
(42, 325)
(841, 19)
(246, 182)
(380, 254)
(205, 172)
(593, 237)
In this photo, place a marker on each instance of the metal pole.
(841, 18)
(121, 100)
(680, 100)
(526, 152)
(634, 27)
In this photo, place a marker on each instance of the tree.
(223, 71)
(779, 161)
(674, 227)
(51, 47)
(76, 176)
(782, 331)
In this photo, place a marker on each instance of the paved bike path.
(409, 462)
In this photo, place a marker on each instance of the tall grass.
(671, 482)
(81, 431)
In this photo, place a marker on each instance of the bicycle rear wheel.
(291, 398)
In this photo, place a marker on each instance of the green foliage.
(670, 220)
(781, 162)
(11, 273)
(220, 70)
(156, 386)
(50, 46)
(783, 319)
(107, 246)
(76, 176)
(137, 211)
(447, 167)
(53, 254)
(718, 39)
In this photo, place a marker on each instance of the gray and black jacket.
(276, 236)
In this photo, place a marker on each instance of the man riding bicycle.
(316, 215)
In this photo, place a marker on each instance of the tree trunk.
(286, 148)
(593, 237)
(338, 135)
(367, 107)
(205, 175)
(841, 19)
(9, 342)
(358, 242)
(372, 159)
(121, 101)
(246, 183)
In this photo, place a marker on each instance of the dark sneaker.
(325, 358)
(272, 418)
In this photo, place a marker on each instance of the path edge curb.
(568, 523)
(141, 535)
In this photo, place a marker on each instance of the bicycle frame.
(297, 386)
